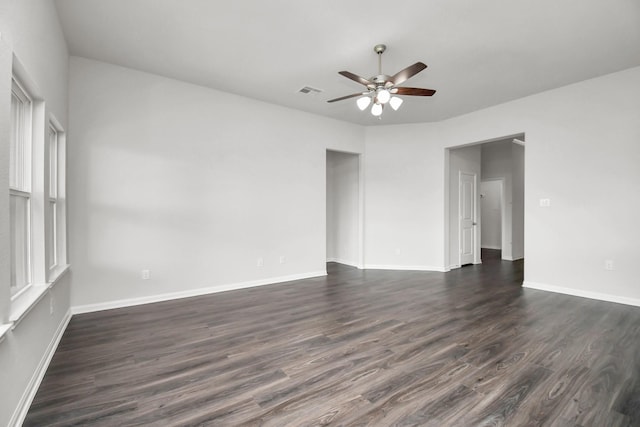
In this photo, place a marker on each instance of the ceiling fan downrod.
(379, 49)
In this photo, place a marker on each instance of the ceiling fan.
(381, 88)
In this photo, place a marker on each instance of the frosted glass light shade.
(376, 110)
(383, 96)
(363, 102)
(395, 102)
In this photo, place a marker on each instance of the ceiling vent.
(310, 90)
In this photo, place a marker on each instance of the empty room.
(289, 213)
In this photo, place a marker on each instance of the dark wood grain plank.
(355, 348)
(502, 407)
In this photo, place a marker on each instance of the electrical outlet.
(398, 251)
(608, 264)
(545, 203)
(282, 259)
(52, 304)
(259, 262)
(146, 274)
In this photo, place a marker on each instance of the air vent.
(310, 90)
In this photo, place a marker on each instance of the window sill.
(23, 304)
(57, 272)
(3, 330)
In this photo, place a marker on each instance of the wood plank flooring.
(378, 348)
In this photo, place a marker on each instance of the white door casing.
(467, 216)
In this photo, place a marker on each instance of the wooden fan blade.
(353, 95)
(356, 78)
(414, 91)
(402, 76)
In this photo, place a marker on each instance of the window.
(55, 201)
(20, 189)
(37, 198)
(52, 225)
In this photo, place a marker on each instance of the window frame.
(20, 181)
(52, 199)
(56, 257)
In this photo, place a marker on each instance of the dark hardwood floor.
(379, 348)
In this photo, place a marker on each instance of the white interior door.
(467, 211)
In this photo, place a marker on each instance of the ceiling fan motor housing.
(381, 81)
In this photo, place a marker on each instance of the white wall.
(517, 201)
(491, 208)
(30, 31)
(593, 123)
(343, 208)
(403, 198)
(331, 241)
(27, 350)
(191, 183)
(467, 159)
(497, 163)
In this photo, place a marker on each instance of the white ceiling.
(479, 53)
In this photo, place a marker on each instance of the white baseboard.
(580, 293)
(27, 397)
(345, 262)
(499, 248)
(129, 302)
(405, 267)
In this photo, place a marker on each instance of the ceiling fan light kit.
(376, 110)
(363, 102)
(395, 102)
(382, 88)
(383, 96)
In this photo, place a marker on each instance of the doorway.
(499, 168)
(344, 209)
(503, 160)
